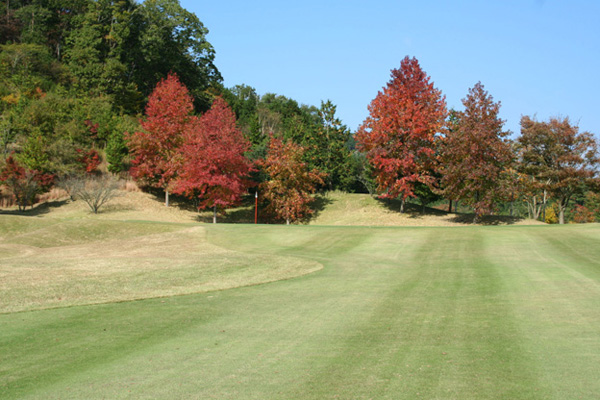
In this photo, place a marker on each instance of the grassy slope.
(338, 208)
(56, 263)
(397, 313)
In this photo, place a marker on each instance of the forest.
(96, 89)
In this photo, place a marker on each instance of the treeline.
(76, 77)
(421, 150)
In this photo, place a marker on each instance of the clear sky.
(537, 57)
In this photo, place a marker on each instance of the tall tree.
(400, 132)
(476, 153)
(100, 51)
(174, 39)
(560, 159)
(157, 147)
(214, 168)
(327, 147)
(290, 183)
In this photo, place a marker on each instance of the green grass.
(396, 313)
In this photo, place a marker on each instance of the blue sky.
(537, 57)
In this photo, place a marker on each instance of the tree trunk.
(287, 221)
(166, 198)
(214, 214)
(561, 215)
(402, 206)
(544, 202)
(449, 206)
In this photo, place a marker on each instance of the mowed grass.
(396, 313)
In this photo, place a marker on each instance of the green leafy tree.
(116, 147)
(173, 39)
(327, 148)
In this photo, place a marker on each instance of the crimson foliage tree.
(156, 148)
(400, 132)
(476, 155)
(290, 183)
(24, 183)
(214, 168)
(559, 159)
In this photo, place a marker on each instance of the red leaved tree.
(400, 132)
(214, 168)
(476, 155)
(559, 159)
(290, 184)
(156, 149)
(90, 160)
(24, 184)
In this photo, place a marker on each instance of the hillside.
(333, 208)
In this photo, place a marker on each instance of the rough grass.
(348, 209)
(55, 263)
(331, 208)
(397, 313)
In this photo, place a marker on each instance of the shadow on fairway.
(321, 201)
(37, 209)
(417, 211)
(410, 209)
(468, 219)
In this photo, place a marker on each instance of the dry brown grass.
(333, 208)
(337, 208)
(156, 260)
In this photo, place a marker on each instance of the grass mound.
(49, 262)
(352, 209)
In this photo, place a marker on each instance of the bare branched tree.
(72, 184)
(98, 191)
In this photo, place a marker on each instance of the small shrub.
(24, 184)
(583, 215)
(96, 192)
(551, 217)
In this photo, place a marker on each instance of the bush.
(551, 217)
(583, 215)
(98, 191)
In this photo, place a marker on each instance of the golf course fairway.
(510, 312)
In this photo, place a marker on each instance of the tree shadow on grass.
(489, 220)
(242, 214)
(417, 211)
(411, 210)
(320, 202)
(37, 209)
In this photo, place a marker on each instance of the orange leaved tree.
(476, 154)
(290, 184)
(399, 134)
